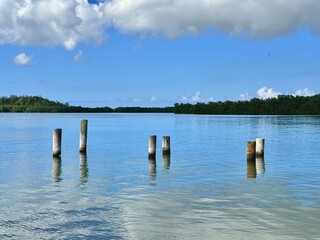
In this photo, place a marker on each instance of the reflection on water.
(260, 165)
(255, 166)
(83, 168)
(204, 195)
(152, 168)
(56, 169)
(251, 168)
(166, 161)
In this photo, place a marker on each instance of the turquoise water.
(206, 191)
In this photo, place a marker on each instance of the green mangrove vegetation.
(282, 105)
(40, 104)
(144, 109)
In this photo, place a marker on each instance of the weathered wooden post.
(166, 146)
(83, 136)
(152, 144)
(251, 150)
(260, 147)
(56, 142)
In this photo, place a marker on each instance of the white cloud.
(244, 96)
(23, 59)
(66, 23)
(265, 93)
(50, 22)
(171, 18)
(196, 98)
(184, 99)
(144, 100)
(78, 57)
(304, 92)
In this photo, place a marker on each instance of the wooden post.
(152, 144)
(251, 150)
(260, 147)
(166, 145)
(56, 142)
(83, 136)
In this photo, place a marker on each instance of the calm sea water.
(206, 191)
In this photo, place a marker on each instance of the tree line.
(144, 109)
(39, 104)
(282, 105)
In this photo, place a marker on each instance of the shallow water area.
(206, 190)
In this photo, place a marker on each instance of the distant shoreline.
(38, 104)
(282, 105)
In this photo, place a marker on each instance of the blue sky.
(160, 52)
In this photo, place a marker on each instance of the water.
(206, 191)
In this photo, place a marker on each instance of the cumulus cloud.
(304, 92)
(61, 22)
(50, 22)
(196, 98)
(244, 96)
(266, 92)
(23, 59)
(211, 99)
(171, 18)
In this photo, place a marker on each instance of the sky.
(155, 53)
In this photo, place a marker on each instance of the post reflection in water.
(260, 166)
(152, 169)
(83, 168)
(166, 161)
(56, 169)
(255, 167)
(251, 168)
